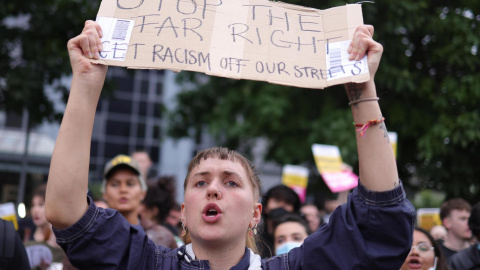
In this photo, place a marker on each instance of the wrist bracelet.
(363, 127)
(361, 100)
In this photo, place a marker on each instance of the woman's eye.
(232, 184)
(201, 183)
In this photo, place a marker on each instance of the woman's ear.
(257, 213)
(182, 214)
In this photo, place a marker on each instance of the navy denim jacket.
(373, 230)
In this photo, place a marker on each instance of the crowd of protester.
(286, 222)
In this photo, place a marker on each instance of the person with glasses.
(425, 253)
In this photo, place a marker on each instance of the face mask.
(286, 247)
(434, 265)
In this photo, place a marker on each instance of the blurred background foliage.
(33, 38)
(428, 82)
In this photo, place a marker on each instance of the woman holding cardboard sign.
(373, 230)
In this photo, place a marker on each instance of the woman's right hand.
(87, 46)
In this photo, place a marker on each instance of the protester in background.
(123, 187)
(43, 251)
(425, 254)
(469, 259)
(289, 233)
(145, 163)
(43, 229)
(454, 214)
(172, 222)
(312, 215)
(276, 202)
(154, 209)
(373, 230)
(438, 232)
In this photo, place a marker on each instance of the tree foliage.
(428, 83)
(33, 54)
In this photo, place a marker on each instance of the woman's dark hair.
(161, 195)
(282, 193)
(40, 190)
(441, 260)
(291, 217)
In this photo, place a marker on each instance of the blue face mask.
(286, 247)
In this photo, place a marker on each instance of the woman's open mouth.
(211, 213)
(414, 264)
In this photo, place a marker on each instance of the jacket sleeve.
(103, 239)
(373, 230)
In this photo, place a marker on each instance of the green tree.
(428, 84)
(33, 54)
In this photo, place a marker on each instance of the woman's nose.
(214, 193)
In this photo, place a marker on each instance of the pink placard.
(340, 181)
(301, 191)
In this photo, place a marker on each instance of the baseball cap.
(122, 161)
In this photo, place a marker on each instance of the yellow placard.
(328, 164)
(7, 212)
(327, 158)
(13, 219)
(296, 178)
(428, 217)
(393, 141)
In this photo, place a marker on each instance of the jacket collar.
(249, 261)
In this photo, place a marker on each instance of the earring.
(254, 231)
(184, 231)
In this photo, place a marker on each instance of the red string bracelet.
(363, 127)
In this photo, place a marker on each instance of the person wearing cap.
(123, 187)
(469, 259)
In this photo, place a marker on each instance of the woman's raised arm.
(378, 169)
(68, 177)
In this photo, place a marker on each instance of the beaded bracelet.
(363, 127)
(361, 100)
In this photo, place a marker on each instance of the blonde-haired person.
(221, 208)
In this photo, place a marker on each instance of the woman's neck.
(221, 256)
(39, 233)
(131, 217)
(455, 243)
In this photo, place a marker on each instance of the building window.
(118, 128)
(120, 106)
(113, 149)
(124, 84)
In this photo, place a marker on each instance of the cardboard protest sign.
(7, 212)
(296, 178)
(242, 39)
(329, 164)
(428, 217)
